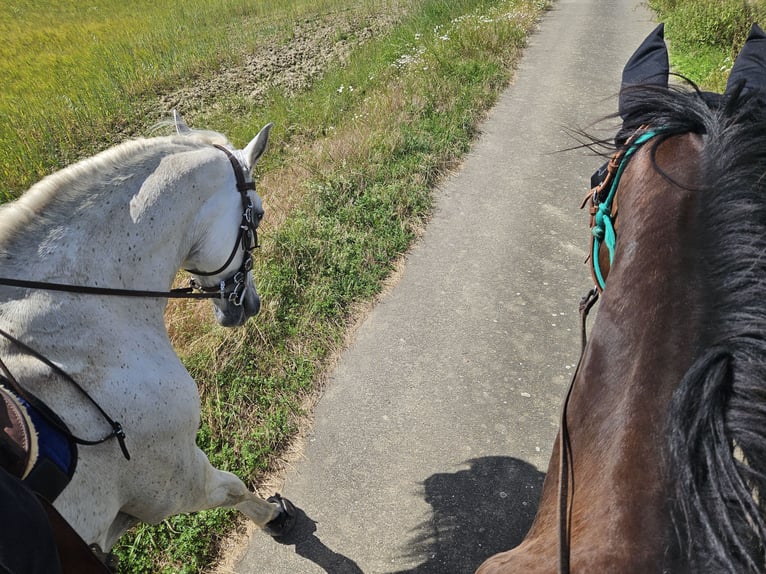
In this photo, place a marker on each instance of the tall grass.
(706, 35)
(75, 74)
(347, 184)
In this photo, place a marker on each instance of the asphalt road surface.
(431, 442)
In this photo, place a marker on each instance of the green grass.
(347, 181)
(706, 35)
(75, 74)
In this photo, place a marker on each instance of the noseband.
(234, 287)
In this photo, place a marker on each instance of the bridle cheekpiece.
(234, 287)
(603, 207)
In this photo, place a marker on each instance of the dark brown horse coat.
(667, 415)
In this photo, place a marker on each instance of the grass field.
(706, 35)
(347, 181)
(75, 74)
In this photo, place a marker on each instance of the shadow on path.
(308, 545)
(476, 513)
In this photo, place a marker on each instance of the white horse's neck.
(122, 219)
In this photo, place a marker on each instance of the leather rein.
(603, 212)
(233, 288)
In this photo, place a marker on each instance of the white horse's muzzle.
(230, 314)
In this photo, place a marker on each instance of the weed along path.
(430, 443)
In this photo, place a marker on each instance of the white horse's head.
(224, 262)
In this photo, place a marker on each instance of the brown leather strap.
(75, 555)
(17, 447)
(566, 475)
(17, 440)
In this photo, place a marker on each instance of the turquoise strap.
(603, 227)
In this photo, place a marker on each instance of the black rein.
(566, 458)
(179, 293)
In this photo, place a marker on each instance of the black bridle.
(233, 289)
(235, 286)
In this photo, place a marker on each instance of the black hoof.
(284, 522)
(109, 560)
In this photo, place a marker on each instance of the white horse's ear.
(180, 124)
(256, 147)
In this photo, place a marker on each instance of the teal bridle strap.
(603, 223)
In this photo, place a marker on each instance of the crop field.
(80, 75)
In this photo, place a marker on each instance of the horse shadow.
(310, 546)
(477, 512)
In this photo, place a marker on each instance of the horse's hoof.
(108, 559)
(284, 522)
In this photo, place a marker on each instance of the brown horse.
(660, 463)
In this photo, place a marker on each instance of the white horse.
(129, 219)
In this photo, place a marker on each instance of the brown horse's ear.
(648, 65)
(749, 70)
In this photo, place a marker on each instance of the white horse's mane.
(87, 178)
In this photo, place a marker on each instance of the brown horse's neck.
(645, 337)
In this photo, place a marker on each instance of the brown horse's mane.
(718, 415)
